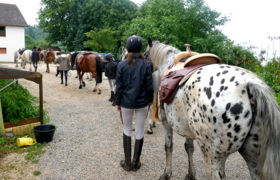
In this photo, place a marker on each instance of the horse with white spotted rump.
(225, 109)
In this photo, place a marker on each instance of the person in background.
(35, 58)
(64, 66)
(134, 94)
(110, 73)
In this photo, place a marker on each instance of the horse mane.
(160, 51)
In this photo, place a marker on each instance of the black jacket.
(134, 85)
(111, 69)
(35, 56)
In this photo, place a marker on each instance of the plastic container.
(44, 133)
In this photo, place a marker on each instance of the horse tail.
(267, 108)
(98, 70)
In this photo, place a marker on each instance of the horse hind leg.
(189, 147)
(214, 163)
(250, 152)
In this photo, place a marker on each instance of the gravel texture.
(88, 140)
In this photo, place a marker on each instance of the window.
(3, 51)
(2, 31)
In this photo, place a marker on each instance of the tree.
(67, 21)
(186, 21)
(101, 41)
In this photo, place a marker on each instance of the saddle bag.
(168, 86)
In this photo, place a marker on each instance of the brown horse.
(88, 62)
(49, 58)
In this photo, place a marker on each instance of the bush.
(17, 103)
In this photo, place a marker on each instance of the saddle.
(184, 65)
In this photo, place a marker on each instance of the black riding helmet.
(134, 44)
(108, 56)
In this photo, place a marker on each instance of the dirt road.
(88, 141)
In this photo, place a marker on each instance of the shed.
(10, 73)
(12, 36)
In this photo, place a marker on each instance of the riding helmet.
(108, 56)
(134, 44)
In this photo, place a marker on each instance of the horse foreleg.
(47, 70)
(189, 147)
(30, 69)
(150, 122)
(168, 148)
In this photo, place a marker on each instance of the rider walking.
(110, 72)
(35, 58)
(134, 93)
(64, 66)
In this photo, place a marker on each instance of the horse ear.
(150, 42)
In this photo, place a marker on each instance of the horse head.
(124, 53)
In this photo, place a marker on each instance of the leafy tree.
(101, 41)
(67, 21)
(29, 42)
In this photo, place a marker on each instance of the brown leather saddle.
(184, 65)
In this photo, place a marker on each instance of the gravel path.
(88, 141)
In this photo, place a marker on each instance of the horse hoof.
(80, 87)
(94, 90)
(189, 177)
(164, 177)
(150, 132)
(99, 93)
(84, 84)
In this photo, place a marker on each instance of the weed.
(36, 173)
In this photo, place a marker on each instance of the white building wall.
(15, 39)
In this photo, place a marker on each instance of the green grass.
(9, 145)
(36, 173)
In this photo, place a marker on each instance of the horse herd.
(225, 108)
(24, 56)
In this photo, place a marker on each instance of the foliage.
(67, 21)
(17, 103)
(101, 41)
(9, 145)
(29, 42)
(34, 36)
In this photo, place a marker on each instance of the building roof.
(10, 15)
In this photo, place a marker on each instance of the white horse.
(226, 109)
(17, 57)
(26, 58)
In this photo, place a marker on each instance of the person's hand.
(119, 108)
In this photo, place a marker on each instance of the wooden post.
(2, 128)
(41, 99)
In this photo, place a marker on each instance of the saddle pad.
(170, 82)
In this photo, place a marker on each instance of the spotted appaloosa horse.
(226, 109)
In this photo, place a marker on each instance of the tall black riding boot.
(61, 76)
(126, 163)
(136, 164)
(114, 102)
(112, 96)
(57, 71)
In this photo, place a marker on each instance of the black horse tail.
(98, 70)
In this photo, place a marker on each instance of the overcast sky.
(251, 21)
